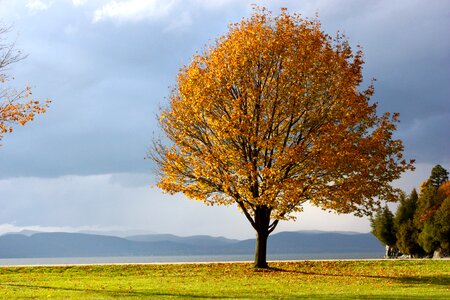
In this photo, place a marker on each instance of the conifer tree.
(431, 217)
(383, 229)
(439, 175)
(406, 232)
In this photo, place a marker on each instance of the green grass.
(398, 279)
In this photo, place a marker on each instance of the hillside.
(90, 245)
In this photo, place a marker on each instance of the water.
(179, 259)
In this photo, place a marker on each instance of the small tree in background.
(16, 107)
(384, 230)
(432, 216)
(439, 175)
(406, 232)
(442, 222)
(271, 117)
(406, 208)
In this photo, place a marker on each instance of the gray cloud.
(81, 164)
(108, 78)
(106, 81)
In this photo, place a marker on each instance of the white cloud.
(133, 10)
(216, 4)
(78, 2)
(138, 10)
(36, 5)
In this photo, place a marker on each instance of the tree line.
(421, 224)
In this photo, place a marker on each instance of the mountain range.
(62, 244)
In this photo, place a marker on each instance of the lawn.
(397, 279)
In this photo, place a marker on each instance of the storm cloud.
(108, 67)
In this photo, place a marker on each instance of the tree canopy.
(406, 232)
(439, 175)
(383, 227)
(272, 116)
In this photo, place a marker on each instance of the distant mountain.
(89, 245)
(204, 240)
(84, 245)
(291, 242)
(314, 242)
(117, 233)
(28, 232)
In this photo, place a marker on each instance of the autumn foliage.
(270, 117)
(16, 107)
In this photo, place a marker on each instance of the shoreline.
(215, 262)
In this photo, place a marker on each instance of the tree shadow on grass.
(270, 270)
(440, 280)
(443, 280)
(115, 293)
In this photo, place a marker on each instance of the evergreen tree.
(383, 229)
(428, 238)
(439, 175)
(431, 217)
(406, 209)
(442, 221)
(406, 232)
(407, 239)
(435, 235)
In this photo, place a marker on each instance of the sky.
(108, 67)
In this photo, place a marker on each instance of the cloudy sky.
(108, 66)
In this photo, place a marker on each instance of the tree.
(383, 229)
(269, 118)
(442, 224)
(431, 216)
(407, 208)
(406, 232)
(16, 107)
(407, 239)
(439, 175)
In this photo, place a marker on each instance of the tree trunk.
(262, 221)
(261, 250)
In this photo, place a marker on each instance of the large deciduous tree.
(16, 107)
(270, 117)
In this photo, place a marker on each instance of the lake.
(179, 259)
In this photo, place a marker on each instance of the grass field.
(396, 279)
